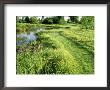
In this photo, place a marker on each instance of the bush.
(34, 20)
(87, 22)
(74, 19)
(54, 20)
(47, 21)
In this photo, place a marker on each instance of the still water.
(25, 38)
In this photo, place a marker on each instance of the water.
(25, 38)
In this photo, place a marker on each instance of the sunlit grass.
(58, 51)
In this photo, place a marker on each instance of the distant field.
(59, 49)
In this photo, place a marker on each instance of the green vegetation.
(87, 22)
(74, 19)
(62, 48)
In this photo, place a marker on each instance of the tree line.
(86, 22)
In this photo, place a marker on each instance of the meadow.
(57, 49)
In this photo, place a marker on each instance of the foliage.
(27, 20)
(58, 20)
(54, 20)
(47, 21)
(23, 19)
(87, 22)
(34, 20)
(23, 27)
(68, 21)
(74, 19)
(18, 19)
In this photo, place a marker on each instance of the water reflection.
(25, 38)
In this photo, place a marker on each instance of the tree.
(33, 20)
(68, 21)
(18, 19)
(58, 20)
(42, 17)
(47, 20)
(61, 20)
(87, 22)
(54, 20)
(27, 20)
(23, 19)
(74, 19)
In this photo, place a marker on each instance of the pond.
(27, 37)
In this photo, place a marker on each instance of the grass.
(62, 50)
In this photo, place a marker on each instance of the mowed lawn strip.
(84, 59)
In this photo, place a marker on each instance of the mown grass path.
(81, 56)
